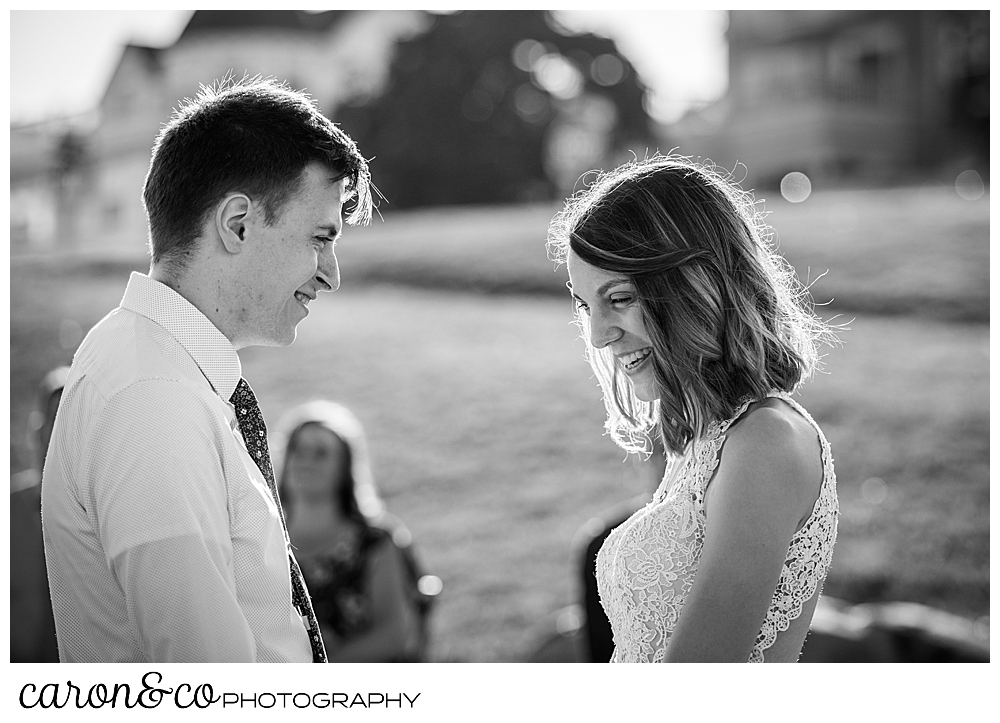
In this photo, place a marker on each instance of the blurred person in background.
(699, 333)
(32, 630)
(356, 557)
(163, 532)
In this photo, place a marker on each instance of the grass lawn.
(908, 251)
(485, 423)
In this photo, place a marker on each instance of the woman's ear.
(230, 221)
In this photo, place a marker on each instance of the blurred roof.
(206, 21)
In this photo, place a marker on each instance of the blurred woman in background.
(698, 333)
(355, 557)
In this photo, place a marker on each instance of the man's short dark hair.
(254, 136)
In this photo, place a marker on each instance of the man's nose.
(328, 270)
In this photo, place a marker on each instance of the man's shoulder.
(125, 348)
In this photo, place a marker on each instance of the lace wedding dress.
(647, 565)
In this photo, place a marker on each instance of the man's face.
(290, 261)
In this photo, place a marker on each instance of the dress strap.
(786, 397)
(740, 411)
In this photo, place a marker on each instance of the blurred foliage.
(70, 153)
(463, 120)
(969, 97)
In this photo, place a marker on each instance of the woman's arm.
(767, 481)
(393, 633)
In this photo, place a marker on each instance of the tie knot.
(243, 393)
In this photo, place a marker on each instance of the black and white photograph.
(596, 335)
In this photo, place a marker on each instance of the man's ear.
(231, 221)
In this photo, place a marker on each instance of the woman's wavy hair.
(725, 314)
(357, 495)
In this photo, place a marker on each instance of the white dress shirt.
(162, 540)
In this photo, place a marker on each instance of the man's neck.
(200, 285)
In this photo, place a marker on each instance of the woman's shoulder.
(774, 425)
(775, 449)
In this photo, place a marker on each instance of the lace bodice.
(647, 565)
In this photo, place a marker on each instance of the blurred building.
(76, 184)
(483, 106)
(849, 94)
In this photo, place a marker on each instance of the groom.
(163, 535)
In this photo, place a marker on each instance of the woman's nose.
(602, 330)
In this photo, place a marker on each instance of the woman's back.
(648, 565)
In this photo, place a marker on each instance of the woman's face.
(611, 307)
(315, 461)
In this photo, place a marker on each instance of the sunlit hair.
(255, 136)
(357, 494)
(724, 313)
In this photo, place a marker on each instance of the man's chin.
(284, 338)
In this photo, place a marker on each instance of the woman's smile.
(633, 361)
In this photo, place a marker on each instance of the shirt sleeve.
(183, 608)
(158, 492)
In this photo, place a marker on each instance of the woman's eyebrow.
(613, 282)
(603, 288)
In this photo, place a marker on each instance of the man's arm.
(185, 611)
(160, 501)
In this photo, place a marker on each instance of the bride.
(699, 333)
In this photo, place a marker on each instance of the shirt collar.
(211, 350)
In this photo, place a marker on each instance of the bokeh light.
(607, 69)
(796, 187)
(569, 620)
(558, 75)
(969, 185)
(874, 491)
(526, 54)
(430, 585)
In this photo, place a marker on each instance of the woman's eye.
(581, 306)
(621, 300)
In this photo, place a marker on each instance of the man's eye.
(581, 306)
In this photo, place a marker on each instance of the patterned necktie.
(255, 435)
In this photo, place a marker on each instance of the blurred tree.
(70, 166)
(967, 35)
(497, 107)
(70, 154)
